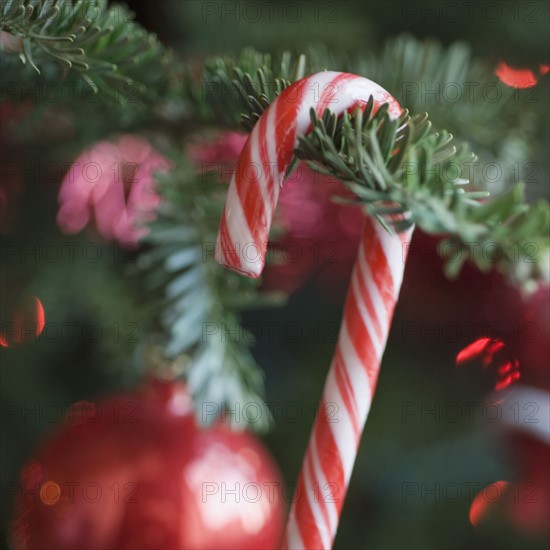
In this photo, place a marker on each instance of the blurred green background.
(397, 452)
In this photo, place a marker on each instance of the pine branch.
(401, 168)
(463, 95)
(236, 92)
(102, 45)
(200, 298)
(403, 163)
(421, 75)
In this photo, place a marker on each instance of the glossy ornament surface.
(135, 472)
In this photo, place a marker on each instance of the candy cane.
(375, 284)
(266, 156)
(349, 389)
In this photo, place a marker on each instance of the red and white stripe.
(266, 156)
(349, 388)
(373, 292)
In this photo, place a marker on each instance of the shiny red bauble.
(137, 472)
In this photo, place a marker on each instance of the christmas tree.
(138, 373)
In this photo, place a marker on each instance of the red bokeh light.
(519, 78)
(491, 353)
(483, 501)
(27, 323)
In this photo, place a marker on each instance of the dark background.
(422, 451)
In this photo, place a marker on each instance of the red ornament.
(136, 472)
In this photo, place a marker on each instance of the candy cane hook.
(373, 292)
(266, 156)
